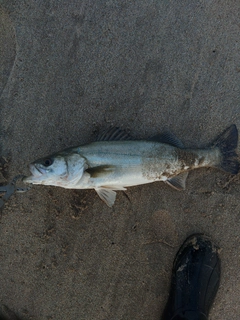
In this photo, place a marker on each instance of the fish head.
(61, 169)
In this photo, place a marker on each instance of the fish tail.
(227, 143)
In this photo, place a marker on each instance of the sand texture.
(72, 68)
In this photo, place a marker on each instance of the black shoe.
(6, 314)
(195, 280)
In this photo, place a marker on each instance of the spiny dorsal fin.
(178, 182)
(169, 138)
(114, 134)
(107, 195)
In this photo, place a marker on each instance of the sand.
(72, 68)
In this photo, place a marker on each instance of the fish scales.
(197, 158)
(145, 160)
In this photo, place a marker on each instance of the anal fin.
(178, 182)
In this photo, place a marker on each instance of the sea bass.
(115, 161)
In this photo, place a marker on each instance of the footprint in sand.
(164, 228)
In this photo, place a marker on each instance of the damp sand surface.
(72, 68)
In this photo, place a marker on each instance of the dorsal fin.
(114, 134)
(169, 138)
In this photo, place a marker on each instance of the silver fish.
(117, 162)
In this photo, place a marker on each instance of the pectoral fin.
(100, 171)
(107, 195)
(178, 182)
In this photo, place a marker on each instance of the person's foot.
(195, 280)
(6, 314)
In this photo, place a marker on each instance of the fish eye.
(47, 162)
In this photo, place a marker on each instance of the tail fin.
(227, 143)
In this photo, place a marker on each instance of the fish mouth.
(35, 171)
(36, 174)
